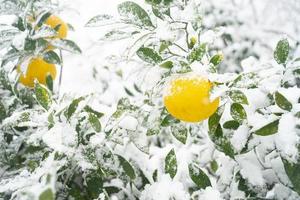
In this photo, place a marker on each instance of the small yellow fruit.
(187, 98)
(53, 21)
(37, 69)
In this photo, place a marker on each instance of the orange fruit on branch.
(59, 25)
(37, 69)
(187, 98)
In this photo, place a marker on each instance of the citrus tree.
(188, 133)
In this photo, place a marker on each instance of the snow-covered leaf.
(117, 35)
(51, 57)
(199, 177)
(238, 96)
(2, 112)
(232, 124)
(127, 167)
(167, 65)
(171, 163)
(268, 129)
(292, 171)
(100, 20)
(180, 132)
(47, 195)
(149, 55)
(197, 53)
(73, 107)
(281, 52)
(67, 45)
(42, 96)
(134, 14)
(94, 121)
(282, 102)
(238, 112)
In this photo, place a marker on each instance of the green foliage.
(180, 132)
(171, 163)
(43, 96)
(129, 170)
(282, 102)
(51, 57)
(149, 55)
(134, 14)
(47, 195)
(238, 96)
(199, 177)
(281, 52)
(238, 112)
(268, 129)
(292, 171)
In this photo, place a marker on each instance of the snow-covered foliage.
(64, 146)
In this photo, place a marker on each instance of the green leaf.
(281, 52)
(149, 55)
(30, 45)
(164, 45)
(94, 121)
(51, 57)
(94, 184)
(268, 129)
(160, 12)
(154, 2)
(282, 102)
(42, 96)
(238, 96)
(127, 167)
(72, 107)
(43, 18)
(47, 195)
(180, 132)
(114, 35)
(91, 110)
(169, 120)
(214, 120)
(67, 45)
(100, 20)
(292, 171)
(238, 112)
(232, 124)
(49, 82)
(197, 53)
(2, 112)
(171, 163)
(167, 65)
(199, 177)
(134, 14)
(216, 59)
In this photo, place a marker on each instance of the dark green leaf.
(214, 166)
(281, 52)
(42, 96)
(51, 57)
(134, 14)
(127, 167)
(199, 177)
(94, 184)
(232, 124)
(238, 112)
(171, 163)
(238, 96)
(214, 120)
(43, 18)
(282, 102)
(268, 129)
(49, 82)
(149, 55)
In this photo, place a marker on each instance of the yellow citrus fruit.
(37, 69)
(54, 21)
(187, 98)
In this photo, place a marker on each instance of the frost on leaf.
(171, 163)
(199, 177)
(281, 52)
(101, 20)
(134, 14)
(180, 132)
